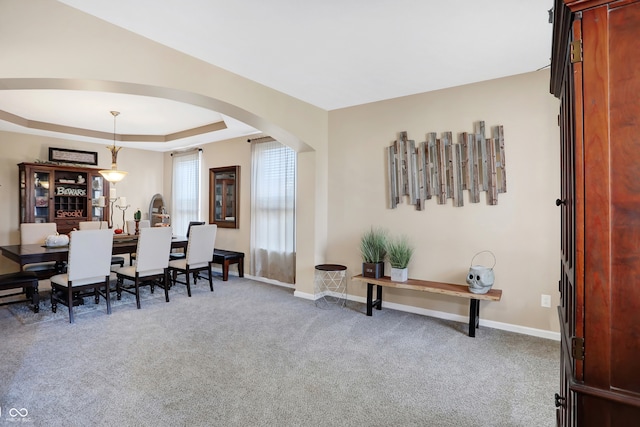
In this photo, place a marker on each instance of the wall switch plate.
(545, 300)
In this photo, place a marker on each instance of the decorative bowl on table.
(56, 240)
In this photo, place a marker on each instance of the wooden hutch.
(65, 195)
(596, 74)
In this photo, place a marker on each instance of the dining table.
(36, 253)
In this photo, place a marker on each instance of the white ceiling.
(329, 53)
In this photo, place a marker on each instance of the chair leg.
(119, 288)
(187, 281)
(70, 303)
(210, 281)
(137, 292)
(54, 303)
(35, 298)
(166, 285)
(107, 296)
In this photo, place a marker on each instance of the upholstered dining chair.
(101, 225)
(202, 239)
(35, 234)
(154, 244)
(88, 267)
(131, 230)
(181, 255)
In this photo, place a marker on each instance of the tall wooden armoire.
(596, 74)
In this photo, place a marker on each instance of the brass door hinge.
(577, 348)
(576, 51)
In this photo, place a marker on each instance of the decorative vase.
(374, 270)
(399, 274)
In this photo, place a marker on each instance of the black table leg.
(370, 302)
(474, 316)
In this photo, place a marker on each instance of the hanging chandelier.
(113, 175)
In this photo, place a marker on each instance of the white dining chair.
(101, 225)
(181, 255)
(36, 234)
(154, 244)
(199, 255)
(131, 230)
(88, 267)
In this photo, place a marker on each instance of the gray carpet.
(251, 354)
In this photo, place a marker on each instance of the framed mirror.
(224, 195)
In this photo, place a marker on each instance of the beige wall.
(522, 230)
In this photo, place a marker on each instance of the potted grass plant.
(399, 251)
(373, 248)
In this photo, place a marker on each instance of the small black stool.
(226, 258)
(28, 280)
(330, 285)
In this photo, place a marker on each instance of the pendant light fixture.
(113, 175)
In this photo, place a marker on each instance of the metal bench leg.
(474, 316)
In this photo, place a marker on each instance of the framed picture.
(73, 156)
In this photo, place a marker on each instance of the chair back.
(202, 240)
(33, 234)
(191, 224)
(152, 255)
(93, 225)
(131, 225)
(90, 255)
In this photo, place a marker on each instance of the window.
(185, 190)
(273, 190)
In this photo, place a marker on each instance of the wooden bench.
(27, 280)
(226, 258)
(461, 291)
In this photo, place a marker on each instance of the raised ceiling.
(331, 54)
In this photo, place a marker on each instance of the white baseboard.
(541, 333)
(270, 281)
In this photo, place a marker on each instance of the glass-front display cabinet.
(61, 194)
(224, 185)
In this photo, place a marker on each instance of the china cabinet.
(223, 199)
(65, 195)
(596, 75)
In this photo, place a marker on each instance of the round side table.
(330, 285)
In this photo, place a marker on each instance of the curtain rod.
(186, 151)
(261, 139)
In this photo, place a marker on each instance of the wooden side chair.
(199, 255)
(154, 244)
(35, 234)
(88, 267)
(101, 225)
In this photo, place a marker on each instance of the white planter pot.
(399, 274)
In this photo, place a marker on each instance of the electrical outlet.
(545, 300)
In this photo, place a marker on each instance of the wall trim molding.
(540, 333)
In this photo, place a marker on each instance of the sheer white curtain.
(185, 192)
(273, 190)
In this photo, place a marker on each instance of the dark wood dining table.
(29, 254)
